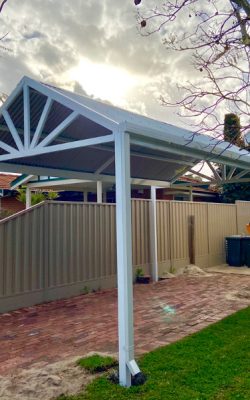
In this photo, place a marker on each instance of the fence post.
(191, 242)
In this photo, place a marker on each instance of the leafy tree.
(36, 197)
(232, 134)
(232, 130)
(215, 34)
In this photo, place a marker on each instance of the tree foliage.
(216, 36)
(232, 130)
(232, 134)
(36, 197)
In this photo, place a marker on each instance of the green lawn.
(97, 363)
(211, 364)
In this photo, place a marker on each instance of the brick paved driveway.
(56, 330)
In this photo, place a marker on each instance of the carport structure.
(51, 132)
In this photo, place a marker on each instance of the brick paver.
(164, 312)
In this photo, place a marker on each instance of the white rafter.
(12, 129)
(59, 129)
(201, 175)
(7, 148)
(26, 114)
(105, 165)
(59, 147)
(83, 110)
(230, 173)
(216, 175)
(180, 174)
(241, 174)
(41, 122)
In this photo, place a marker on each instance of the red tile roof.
(6, 179)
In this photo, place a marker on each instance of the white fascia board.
(37, 151)
(56, 182)
(149, 182)
(183, 142)
(18, 89)
(72, 104)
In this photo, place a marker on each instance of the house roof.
(5, 180)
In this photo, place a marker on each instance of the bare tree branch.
(216, 35)
(2, 4)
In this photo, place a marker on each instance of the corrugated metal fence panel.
(140, 233)
(56, 249)
(163, 235)
(81, 242)
(222, 222)
(179, 218)
(21, 252)
(243, 216)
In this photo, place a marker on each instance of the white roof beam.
(41, 122)
(105, 165)
(12, 130)
(224, 171)
(230, 173)
(201, 175)
(216, 175)
(58, 147)
(16, 92)
(59, 129)
(241, 174)
(56, 182)
(72, 104)
(181, 173)
(7, 148)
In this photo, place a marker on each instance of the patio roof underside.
(159, 151)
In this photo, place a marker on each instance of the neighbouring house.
(8, 197)
(79, 190)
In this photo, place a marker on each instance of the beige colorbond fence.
(56, 249)
(212, 223)
(243, 215)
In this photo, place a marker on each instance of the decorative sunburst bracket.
(27, 131)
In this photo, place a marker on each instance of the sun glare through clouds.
(104, 81)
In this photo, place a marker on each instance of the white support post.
(85, 196)
(153, 234)
(99, 191)
(105, 196)
(28, 198)
(124, 256)
(191, 197)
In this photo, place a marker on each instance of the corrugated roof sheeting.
(5, 135)
(37, 103)
(15, 111)
(90, 159)
(81, 128)
(57, 115)
(84, 159)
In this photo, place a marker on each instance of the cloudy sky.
(92, 47)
